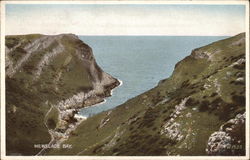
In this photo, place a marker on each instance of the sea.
(139, 62)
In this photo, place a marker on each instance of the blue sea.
(140, 62)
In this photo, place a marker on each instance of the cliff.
(47, 79)
(198, 110)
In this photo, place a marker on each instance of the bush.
(51, 123)
(239, 100)
(192, 102)
(204, 106)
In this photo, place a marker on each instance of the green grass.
(25, 127)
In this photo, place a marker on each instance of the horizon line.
(125, 34)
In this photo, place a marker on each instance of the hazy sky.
(125, 19)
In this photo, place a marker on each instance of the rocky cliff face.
(47, 79)
(198, 110)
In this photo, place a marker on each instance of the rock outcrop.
(230, 139)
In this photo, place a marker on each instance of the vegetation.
(176, 117)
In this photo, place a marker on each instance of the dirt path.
(41, 152)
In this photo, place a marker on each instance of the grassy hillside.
(42, 71)
(177, 117)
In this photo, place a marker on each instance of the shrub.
(204, 106)
(239, 100)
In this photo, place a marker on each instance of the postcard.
(124, 80)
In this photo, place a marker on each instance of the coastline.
(97, 104)
(120, 84)
(58, 137)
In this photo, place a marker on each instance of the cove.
(140, 62)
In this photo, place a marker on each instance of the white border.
(3, 134)
(217, 2)
(2, 79)
(247, 82)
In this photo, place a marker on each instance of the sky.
(125, 19)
